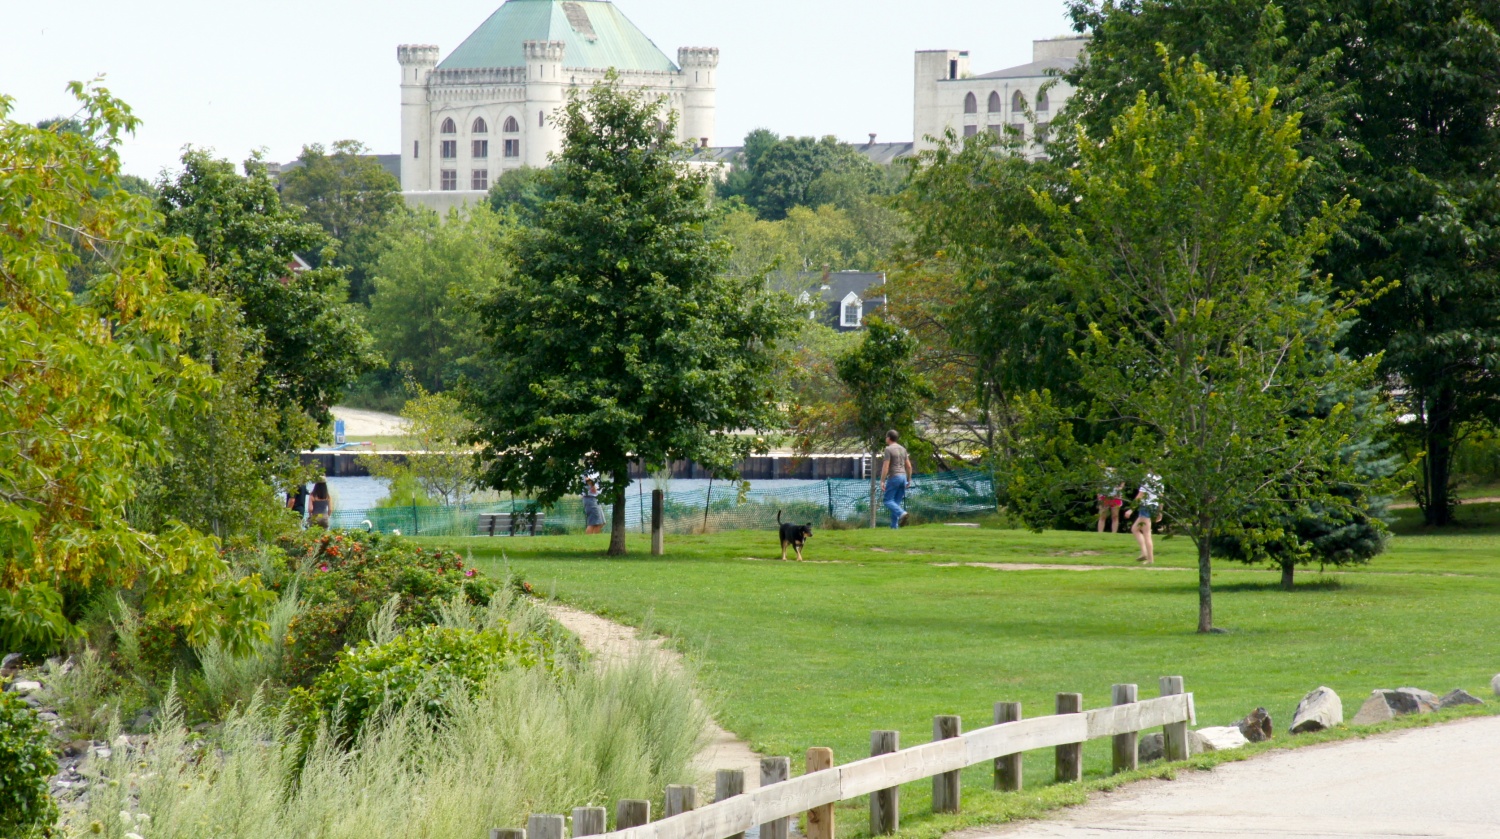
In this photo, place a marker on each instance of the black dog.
(794, 535)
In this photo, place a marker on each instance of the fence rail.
(881, 775)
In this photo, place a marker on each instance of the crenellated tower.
(699, 64)
(417, 63)
(545, 94)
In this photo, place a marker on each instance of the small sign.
(338, 432)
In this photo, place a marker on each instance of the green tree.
(432, 271)
(308, 335)
(1397, 102)
(352, 197)
(439, 454)
(90, 380)
(782, 173)
(524, 190)
(1207, 328)
(619, 338)
(887, 391)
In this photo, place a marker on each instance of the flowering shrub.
(347, 577)
(26, 766)
(423, 666)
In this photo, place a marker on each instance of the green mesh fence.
(721, 507)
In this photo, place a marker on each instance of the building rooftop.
(597, 35)
(1035, 68)
(881, 153)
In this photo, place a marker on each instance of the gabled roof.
(597, 35)
(1032, 70)
(834, 287)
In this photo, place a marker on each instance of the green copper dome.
(597, 34)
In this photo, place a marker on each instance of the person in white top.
(1148, 510)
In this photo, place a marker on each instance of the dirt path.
(1039, 566)
(358, 423)
(1412, 505)
(612, 642)
(1437, 781)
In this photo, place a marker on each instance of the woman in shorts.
(1111, 501)
(1148, 510)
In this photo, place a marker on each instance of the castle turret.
(700, 93)
(545, 94)
(417, 63)
(933, 68)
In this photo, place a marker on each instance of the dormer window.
(852, 311)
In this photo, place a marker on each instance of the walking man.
(894, 473)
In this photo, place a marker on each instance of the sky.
(279, 74)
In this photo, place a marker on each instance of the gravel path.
(359, 423)
(610, 642)
(1425, 782)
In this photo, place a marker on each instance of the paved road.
(1442, 781)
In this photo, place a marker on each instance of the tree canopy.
(352, 197)
(774, 174)
(619, 339)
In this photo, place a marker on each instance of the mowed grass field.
(884, 630)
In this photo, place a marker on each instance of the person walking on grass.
(593, 514)
(1111, 500)
(895, 472)
(1148, 510)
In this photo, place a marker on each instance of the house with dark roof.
(842, 299)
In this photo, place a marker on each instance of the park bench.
(511, 524)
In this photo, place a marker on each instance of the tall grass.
(525, 743)
(226, 680)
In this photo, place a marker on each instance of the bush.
(424, 668)
(345, 578)
(26, 768)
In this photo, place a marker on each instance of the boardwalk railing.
(881, 775)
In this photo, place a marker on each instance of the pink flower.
(469, 573)
(323, 567)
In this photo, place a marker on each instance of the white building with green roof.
(488, 106)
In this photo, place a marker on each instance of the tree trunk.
(617, 525)
(1205, 584)
(1288, 569)
(1438, 464)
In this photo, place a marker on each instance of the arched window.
(1017, 101)
(481, 127)
(449, 126)
(971, 104)
(1041, 102)
(996, 103)
(511, 126)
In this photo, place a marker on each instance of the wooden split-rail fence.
(880, 776)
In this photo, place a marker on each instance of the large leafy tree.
(619, 338)
(775, 174)
(303, 328)
(431, 272)
(90, 382)
(352, 197)
(1399, 103)
(1207, 329)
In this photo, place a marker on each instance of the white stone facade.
(949, 96)
(462, 128)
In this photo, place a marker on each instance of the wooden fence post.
(632, 812)
(1174, 735)
(1070, 757)
(885, 805)
(1126, 746)
(727, 784)
(506, 833)
(588, 821)
(1008, 768)
(658, 510)
(680, 799)
(774, 770)
(820, 819)
(545, 827)
(946, 786)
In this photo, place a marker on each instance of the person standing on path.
(593, 514)
(894, 473)
(1148, 510)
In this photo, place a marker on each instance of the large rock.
(1318, 710)
(1495, 685)
(1389, 704)
(1257, 726)
(10, 665)
(1426, 700)
(1220, 738)
(1458, 697)
(1153, 746)
(25, 688)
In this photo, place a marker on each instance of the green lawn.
(875, 633)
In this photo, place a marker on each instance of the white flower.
(126, 817)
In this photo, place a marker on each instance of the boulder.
(1318, 710)
(25, 688)
(1220, 738)
(10, 665)
(1426, 700)
(1153, 746)
(1257, 726)
(1458, 697)
(1495, 685)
